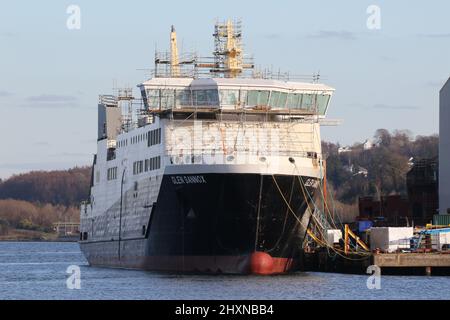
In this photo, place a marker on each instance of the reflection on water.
(37, 270)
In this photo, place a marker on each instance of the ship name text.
(188, 180)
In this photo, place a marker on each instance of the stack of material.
(333, 236)
(390, 239)
(440, 241)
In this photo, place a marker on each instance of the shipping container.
(441, 220)
(390, 239)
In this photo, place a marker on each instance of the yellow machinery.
(349, 233)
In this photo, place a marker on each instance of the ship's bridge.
(236, 94)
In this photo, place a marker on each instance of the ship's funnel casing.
(109, 121)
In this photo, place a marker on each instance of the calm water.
(37, 270)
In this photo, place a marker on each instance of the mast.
(174, 62)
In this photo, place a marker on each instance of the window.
(229, 97)
(257, 98)
(153, 98)
(274, 99)
(144, 97)
(183, 98)
(322, 103)
(167, 98)
(294, 100)
(200, 98)
(138, 167)
(308, 102)
(112, 173)
(278, 99)
(155, 163)
(212, 97)
(154, 137)
(205, 97)
(242, 97)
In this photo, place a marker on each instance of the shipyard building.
(444, 149)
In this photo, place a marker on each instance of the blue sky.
(50, 77)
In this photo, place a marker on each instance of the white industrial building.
(444, 149)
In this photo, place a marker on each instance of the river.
(38, 270)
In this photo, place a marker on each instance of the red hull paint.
(197, 264)
(216, 264)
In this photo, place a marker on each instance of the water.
(37, 270)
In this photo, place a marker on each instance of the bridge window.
(205, 97)
(183, 98)
(308, 102)
(153, 98)
(229, 97)
(322, 103)
(257, 98)
(278, 99)
(294, 100)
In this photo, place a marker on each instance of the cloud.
(7, 34)
(52, 101)
(434, 35)
(272, 36)
(5, 93)
(391, 107)
(71, 154)
(46, 98)
(388, 59)
(339, 35)
(41, 143)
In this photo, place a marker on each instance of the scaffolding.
(228, 58)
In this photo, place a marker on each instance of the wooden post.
(346, 240)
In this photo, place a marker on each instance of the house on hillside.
(369, 144)
(344, 149)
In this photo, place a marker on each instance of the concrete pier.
(433, 263)
(429, 262)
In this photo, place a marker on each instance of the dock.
(429, 263)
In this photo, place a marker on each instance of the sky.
(51, 75)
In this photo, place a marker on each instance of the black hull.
(216, 223)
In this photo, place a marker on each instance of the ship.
(215, 168)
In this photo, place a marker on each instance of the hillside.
(63, 187)
(379, 169)
(30, 203)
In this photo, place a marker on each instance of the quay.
(425, 263)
